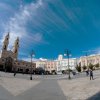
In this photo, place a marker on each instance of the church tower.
(5, 43)
(15, 48)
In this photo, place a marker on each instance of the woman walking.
(91, 74)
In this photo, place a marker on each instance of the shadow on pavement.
(45, 90)
(95, 97)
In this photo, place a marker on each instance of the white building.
(62, 63)
(40, 64)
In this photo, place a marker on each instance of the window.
(5, 47)
(16, 51)
(2, 59)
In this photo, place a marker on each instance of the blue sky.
(51, 26)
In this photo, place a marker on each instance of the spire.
(8, 34)
(6, 42)
(17, 39)
(16, 47)
(5, 45)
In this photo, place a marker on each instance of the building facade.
(51, 66)
(62, 64)
(86, 60)
(24, 66)
(9, 61)
(9, 58)
(40, 64)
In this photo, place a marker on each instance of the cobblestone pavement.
(17, 89)
(82, 88)
(41, 77)
(55, 87)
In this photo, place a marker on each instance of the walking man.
(87, 72)
(14, 72)
(91, 74)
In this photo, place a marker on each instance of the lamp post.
(67, 53)
(31, 54)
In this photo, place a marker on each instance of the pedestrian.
(14, 74)
(87, 72)
(91, 74)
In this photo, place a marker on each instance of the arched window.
(5, 47)
(16, 51)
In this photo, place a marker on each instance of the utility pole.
(31, 54)
(67, 53)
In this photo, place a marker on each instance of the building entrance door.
(8, 64)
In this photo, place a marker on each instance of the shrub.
(91, 66)
(78, 68)
(97, 65)
(84, 68)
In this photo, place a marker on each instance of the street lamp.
(68, 53)
(31, 55)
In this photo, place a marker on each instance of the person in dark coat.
(91, 74)
(14, 72)
(87, 72)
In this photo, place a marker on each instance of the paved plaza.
(56, 87)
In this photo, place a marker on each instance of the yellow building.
(86, 60)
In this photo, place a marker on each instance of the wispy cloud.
(93, 51)
(29, 59)
(34, 59)
(97, 50)
(4, 6)
(17, 24)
